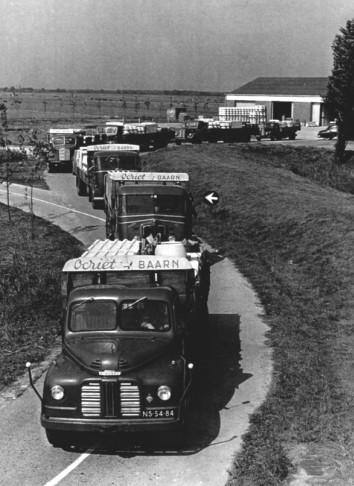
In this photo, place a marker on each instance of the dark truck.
(127, 353)
(149, 135)
(148, 205)
(120, 157)
(213, 131)
(280, 129)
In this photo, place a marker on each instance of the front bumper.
(110, 425)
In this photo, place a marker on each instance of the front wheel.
(81, 187)
(95, 204)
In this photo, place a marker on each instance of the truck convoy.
(91, 163)
(150, 205)
(127, 349)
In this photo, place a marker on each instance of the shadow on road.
(216, 378)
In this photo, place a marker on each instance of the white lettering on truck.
(146, 264)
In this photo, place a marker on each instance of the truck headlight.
(164, 392)
(57, 392)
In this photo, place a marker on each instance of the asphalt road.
(232, 387)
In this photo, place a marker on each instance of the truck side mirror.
(28, 366)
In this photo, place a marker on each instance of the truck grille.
(91, 400)
(129, 400)
(154, 230)
(109, 399)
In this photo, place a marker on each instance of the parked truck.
(253, 117)
(149, 135)
(128, 350)
(212, 131)
(93, 161)
(148, 205)
(62, 144)
(280, 129)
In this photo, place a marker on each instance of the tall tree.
(339, 101)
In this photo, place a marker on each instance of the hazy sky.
(165, 44)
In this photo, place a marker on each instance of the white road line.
(54, 204)
(69, 469)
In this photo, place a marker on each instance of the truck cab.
(114, 157)
(148, 205)
(125, 362)
(62, 142)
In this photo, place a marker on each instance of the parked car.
(329, 132)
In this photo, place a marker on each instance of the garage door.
(316, 113)
(282, 109)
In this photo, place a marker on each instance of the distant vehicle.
(62, 142)
(329, 132)
(212, 131)
(279, 129)
(90, 168)
(120, 157)
(146, 134)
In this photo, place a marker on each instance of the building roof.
(284, 86)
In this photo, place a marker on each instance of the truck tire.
(95, 204)
(81, 187)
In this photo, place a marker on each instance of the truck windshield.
(154, 203)
(63, 140)
(144, 315)
(93, 315)
(117, 161)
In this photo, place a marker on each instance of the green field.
(286, 217)
(25, 109)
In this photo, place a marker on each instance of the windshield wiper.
(86, 301)
(133, 304)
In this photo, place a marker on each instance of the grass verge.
(292, 235)
(19, 169)
(32, 253)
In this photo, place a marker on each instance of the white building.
(299, 98)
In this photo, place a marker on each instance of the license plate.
(158, 413)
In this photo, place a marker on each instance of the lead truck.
(127, 340)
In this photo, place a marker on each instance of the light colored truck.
(62, 143)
